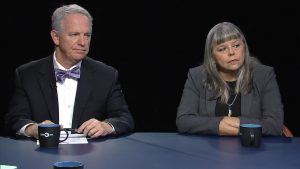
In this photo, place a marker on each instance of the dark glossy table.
(157, 151)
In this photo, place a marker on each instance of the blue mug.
(250, 135)
(68, 165)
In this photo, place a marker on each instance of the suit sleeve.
(117, 110)
(192, 115)
(19, 109)
(271, 105)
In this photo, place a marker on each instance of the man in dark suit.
(67, 87)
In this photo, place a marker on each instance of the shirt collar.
(59, 66)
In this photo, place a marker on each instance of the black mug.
(49, 135)
(68, 165)
(250, 135)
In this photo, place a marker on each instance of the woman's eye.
(237, 45)
(221, 49)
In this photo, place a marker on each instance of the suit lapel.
(83, 91)
(48, 87)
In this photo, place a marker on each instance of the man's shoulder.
(97, 65)
(35, 64)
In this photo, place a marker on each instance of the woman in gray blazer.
(230, 88)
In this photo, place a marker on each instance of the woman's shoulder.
(262, 69)
(197, 74)
(261, 72)
(197, 70)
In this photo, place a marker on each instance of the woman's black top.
(223, 109)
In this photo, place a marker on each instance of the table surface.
(156, 151)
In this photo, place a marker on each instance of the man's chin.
(79, 57)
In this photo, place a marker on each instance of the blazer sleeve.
(19, 110)
(271, 107)
(192, 115)
(118, 113)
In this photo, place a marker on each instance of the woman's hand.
(229, 126)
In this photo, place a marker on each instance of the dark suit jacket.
(98, 96)
(196, 112)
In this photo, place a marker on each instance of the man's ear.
(55, 37)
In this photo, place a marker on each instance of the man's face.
(73, 41)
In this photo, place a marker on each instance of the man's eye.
(88, 35)
(73, 34)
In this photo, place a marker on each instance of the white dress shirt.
(66, 93)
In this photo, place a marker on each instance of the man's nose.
(82, 40)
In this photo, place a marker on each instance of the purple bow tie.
(61, 75)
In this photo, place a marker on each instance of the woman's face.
(229, 56)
